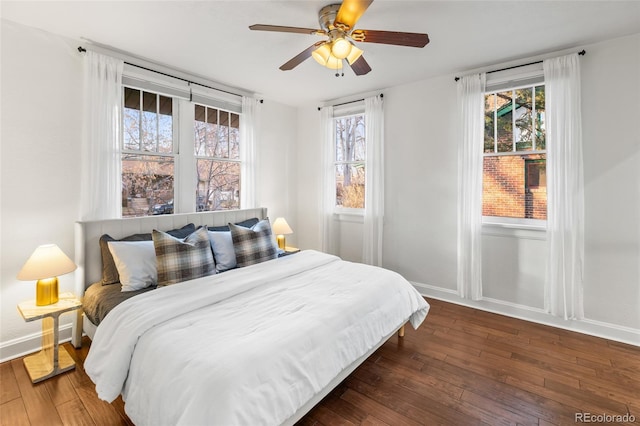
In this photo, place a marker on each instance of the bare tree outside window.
(350, 160)
(147, 154)
(217, 150)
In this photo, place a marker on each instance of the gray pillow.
(246, 223)
(183, 259)
(253, 245)
(109, 271)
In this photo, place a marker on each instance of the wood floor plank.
(461, 367)
(13, 413)
(376, 409)
(9, 389)
(60, 389)
(37, 401)
(100, 411)
(72, 412)
(504, 393)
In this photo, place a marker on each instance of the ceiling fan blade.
(351, 10)
(300, 57)
(282, 29)
(360, 66)
(391, 37)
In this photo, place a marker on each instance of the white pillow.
(135, 262)
(223, 251)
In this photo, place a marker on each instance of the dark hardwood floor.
(462, 367)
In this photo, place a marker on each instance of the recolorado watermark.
(604, 418)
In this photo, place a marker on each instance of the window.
(514, 163)
(147, 153)
(180, 146)
(217, 151)
(350, 159)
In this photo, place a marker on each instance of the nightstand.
(50, 361)
(289, 250)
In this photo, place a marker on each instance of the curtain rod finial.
(81, 49)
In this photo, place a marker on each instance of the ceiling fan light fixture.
(354, 54)
(322, 54)
(334, 63)
(341, 47)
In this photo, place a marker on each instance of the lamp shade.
(334, 63)
(47, 261)
(354, 54)
(281, 227)
(321, 54)
(341, 48)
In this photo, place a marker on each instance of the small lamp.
(44, 265)
(281, 228)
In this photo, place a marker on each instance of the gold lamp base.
(281, 243)
(47, 291)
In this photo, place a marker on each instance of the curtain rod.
(82, 49)
(581, 53)
(351, 102)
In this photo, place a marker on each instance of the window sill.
(515, 228)
(349, 215)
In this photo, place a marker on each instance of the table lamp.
(44, 265)
(281, 228)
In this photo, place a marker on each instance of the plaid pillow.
(253, 245)
(109, 271)
(182, 259)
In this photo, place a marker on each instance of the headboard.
(87, 235)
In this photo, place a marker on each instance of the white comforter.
(247, 347)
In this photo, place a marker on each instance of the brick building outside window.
(514, 166)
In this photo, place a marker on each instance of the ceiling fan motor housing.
(327, 16)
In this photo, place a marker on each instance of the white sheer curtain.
(101, 162)
(327, 141)
(565, 188)
(374, 187)
(248, 123)
(471, 99)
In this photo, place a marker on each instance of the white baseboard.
(609, 331)
(29, 344)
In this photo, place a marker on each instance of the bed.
(260, 344)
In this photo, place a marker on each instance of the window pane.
(218, 186)
(523, 124)
(504, 105)
(200, 129)
(149, 122)
(515, 186)
(350, 179)
(147, 185)
(234, 137)
(489, 122)
(541, 134)
(131, 119)
(350, 138)
(165, 125)
(222, 146)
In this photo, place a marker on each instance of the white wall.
(40, 166)
(41, 131)
(421, 198)
(277, 167)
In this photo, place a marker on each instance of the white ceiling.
(211, 38)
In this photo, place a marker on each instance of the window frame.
(197, 157)
(174, 154)
(492, 89)
(184, 97)
(348, 214)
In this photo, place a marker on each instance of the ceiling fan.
(337, 22)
